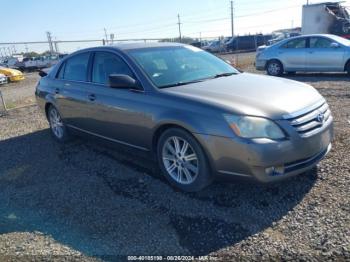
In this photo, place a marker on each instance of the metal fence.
(2, 105)
(8, 49)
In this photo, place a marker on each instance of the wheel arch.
(347, 64)
(47, 106)
(161, 128)
(274, 59)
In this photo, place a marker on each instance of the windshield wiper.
(198, 80)
(224, 74)
(183, 83)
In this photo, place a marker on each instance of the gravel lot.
(83, 201)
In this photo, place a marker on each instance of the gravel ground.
(84, 201)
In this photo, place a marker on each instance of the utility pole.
(307, 2)
(56, 47)
(232, 21)
(106, 35)
(49, 39)
(179, 23)
(112, 38)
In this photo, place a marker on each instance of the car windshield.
(174, 66)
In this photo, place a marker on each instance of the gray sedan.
(308, 53)
(196, 114)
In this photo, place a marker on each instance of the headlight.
(254, 127)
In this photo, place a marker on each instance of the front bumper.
(264, 159)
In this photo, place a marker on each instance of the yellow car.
(12, 74)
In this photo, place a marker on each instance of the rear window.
(75, 68)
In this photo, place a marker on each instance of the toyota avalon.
(194, 112)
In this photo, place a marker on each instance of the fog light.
(275, 170)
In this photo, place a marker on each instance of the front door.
(323, 57)
(115, 113)
(293, 54)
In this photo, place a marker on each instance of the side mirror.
(335, 45)
(122, 81)
(42, 73)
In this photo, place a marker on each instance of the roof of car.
(130, 46)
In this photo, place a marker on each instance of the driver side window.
(106, 64)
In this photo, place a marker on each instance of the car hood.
(252, 94)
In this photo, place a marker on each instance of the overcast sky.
(86, 19)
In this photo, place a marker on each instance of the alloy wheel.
(274, 68)
(180, 160)
(56, 123)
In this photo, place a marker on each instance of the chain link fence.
(2, 105)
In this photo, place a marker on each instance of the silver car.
(308, 53)
(196, 114)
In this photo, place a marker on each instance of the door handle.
(66, 84)
(57, 91)
(92, 97)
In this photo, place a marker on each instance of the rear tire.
(57, 127)
(274, 68)
(183, 161)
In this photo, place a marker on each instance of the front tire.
(183, 161)
(274, 68)
(347, 68)
(57, 127)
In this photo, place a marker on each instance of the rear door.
(70, 90)
(293, 54)
(323, 57)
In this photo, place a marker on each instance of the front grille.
(311, 122)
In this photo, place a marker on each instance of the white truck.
(326, 18)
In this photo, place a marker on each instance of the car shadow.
(107, 202)
(316, 77)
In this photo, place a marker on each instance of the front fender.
(195, 122)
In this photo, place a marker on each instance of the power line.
(190, 21)
(267, 11)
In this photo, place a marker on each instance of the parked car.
(13, 75)
(247, 42)
(309, 53)
(195, 113)
(3, 79)
(279, 36)
(214, 47)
